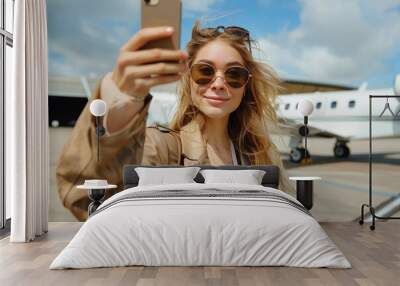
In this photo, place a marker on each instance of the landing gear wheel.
(341, 151)
(372, 227)
(298, 154)
(361, 222)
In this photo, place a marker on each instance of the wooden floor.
(374, 255)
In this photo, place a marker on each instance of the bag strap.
(179, 144)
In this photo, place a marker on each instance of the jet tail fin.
(396, 85)
(363, 86)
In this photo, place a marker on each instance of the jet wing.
(291, 127)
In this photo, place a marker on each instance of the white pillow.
(249, 177)
(163, 176)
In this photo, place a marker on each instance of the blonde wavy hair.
(247, 124)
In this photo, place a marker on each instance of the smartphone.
(162, 13)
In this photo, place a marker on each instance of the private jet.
(343, 115)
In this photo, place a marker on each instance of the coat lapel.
(193, 146)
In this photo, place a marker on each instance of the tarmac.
(344, 184)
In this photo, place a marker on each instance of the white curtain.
(27, 143)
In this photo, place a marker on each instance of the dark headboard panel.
(271, 177)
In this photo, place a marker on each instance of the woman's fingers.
(162, 80)
(155, 69)
(137, 70)
(146, 35)
(141, 86)
(136, 80)
(150, 56)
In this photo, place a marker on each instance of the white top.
(304, 178)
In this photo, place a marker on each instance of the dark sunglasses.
(234, 76)
(239, 32)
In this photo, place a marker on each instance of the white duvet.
(183, 231)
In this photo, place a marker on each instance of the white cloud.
(341, 40)
(85, 36)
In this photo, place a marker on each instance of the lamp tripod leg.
(305, 145)
(98, 138)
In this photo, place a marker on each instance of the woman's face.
(217, 99)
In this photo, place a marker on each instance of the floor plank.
(374, 255)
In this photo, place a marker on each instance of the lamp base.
(96, 196)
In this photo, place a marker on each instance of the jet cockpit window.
(318, 105)
(352, 103)
(287, 105)
(333, 104)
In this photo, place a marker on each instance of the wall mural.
(225, 83)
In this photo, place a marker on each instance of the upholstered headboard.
(270, 179)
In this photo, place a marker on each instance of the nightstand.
(96, 193)
(304, 190)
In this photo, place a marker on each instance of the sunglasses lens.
(236, 77)
(202, 73)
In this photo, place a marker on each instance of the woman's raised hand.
(136, 70)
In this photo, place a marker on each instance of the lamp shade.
(98, 107)
(305, 107)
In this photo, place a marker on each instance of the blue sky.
(342, 41)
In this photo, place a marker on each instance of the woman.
(225, 99)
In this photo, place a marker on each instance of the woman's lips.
(214, 100)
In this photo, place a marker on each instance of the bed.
(201, 223)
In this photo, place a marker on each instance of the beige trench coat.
(135, 144)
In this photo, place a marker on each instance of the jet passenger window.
(297, 105)
(352, 103)
(319, 104)
(333, 104)
(287, 105)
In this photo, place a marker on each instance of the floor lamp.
(97, 188)
(304, 185)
